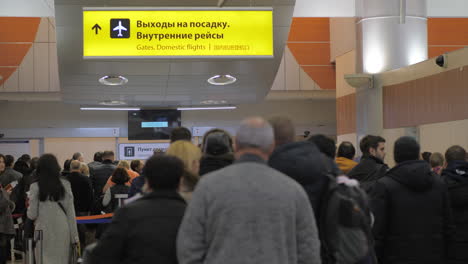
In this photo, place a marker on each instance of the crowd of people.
(259, 197)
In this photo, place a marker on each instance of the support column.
(391, 34)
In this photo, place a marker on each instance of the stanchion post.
(39, 237)
(30, 249)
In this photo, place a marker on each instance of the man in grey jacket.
(248, 212)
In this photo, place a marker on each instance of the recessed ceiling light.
(222, 79)
(213, 102)
(113, 80)
(111, 108)
(112, 103)
(206, 108)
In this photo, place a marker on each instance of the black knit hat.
(406, 148)
(217, 144)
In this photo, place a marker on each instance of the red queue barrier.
(92, 219)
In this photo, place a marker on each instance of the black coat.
(303, 162)
(92, 166)
(210, 163)
(413, 220)
(456, 178)
(143, 232)
(82, 191)
(368, 171)
(101, 174)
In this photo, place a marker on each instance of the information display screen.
(169, 33)
(152, 124)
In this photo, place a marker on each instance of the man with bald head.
(249, 212)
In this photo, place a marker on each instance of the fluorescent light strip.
(206, 108)
(111, 108)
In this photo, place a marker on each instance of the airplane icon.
(120, 28)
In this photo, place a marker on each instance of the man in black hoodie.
(300, 160)
(372, 166)
(456, 178)
(412, 212)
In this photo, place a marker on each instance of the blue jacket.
(137, 186)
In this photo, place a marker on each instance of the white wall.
(346, 8)
(439, 137)
(321, 8)
(27, 8)
(447, 8)
(315, 116)
(304, 8)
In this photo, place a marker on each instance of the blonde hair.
(189, 154)
(436, 159)
(186, 151)
(84, 169)
(124, 164)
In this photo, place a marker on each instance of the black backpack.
(114, 203)
(345, 224)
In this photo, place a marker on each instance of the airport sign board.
(141, 151)
(177, 32)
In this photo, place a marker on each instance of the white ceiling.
(162, 82)
(346, 8)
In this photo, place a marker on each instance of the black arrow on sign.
(96, 28)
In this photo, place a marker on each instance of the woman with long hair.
(51, 209)
(190, 155)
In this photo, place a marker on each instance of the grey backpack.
(345, 226)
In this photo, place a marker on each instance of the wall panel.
(440, 136)
(63, 148)
(433, 99)
(342, 36)
(346, 114)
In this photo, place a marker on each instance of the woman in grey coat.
(6, 223)
(47, 197)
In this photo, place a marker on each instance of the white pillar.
(391, 34)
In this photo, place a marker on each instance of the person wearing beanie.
(412, 212)
(217, 151)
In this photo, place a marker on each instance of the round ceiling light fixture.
(113, 80)
(224, 79)
(213, 102)
(112, 103)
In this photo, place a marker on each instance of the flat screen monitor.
(152, 124)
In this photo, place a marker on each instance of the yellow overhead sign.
(125, 33)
